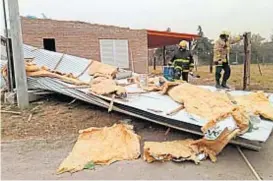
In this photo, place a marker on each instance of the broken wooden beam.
(111, 103)
(11, 112)
(176, 110)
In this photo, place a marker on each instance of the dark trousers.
(185, 76)
(218, 71)
(178, 73)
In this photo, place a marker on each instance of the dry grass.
(257, 81)
(53, 118)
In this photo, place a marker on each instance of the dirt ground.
(53, 118)
(34, 148)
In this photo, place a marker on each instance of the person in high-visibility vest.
(182, 61)
(221, 57)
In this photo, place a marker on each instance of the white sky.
(236, 16)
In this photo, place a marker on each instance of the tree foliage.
(203, 48)
(261, 50)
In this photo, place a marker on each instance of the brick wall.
(82, 39)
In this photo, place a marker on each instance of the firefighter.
(221, 57)
(182, 62)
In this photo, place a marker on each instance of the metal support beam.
(211, 64)
(164, 55)
(10, 77)
(154, 62)
(18, 55)
(190, 45)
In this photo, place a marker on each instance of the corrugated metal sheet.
(182, 121)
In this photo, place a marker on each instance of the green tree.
(204, 47)
(237, 53)
(257, 48)
(261, 50)
(200, 31)
(168, 52)
(267, 52)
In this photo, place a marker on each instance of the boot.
(224, 85)
(218, 86)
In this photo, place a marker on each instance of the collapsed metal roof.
(137, 105)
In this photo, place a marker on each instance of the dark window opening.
(49, 44)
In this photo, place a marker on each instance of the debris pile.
(32, 70)
(179, 150)
(153, 84)
(98, 69)
(102, 146)
(102, 82)
(257, 103)
(226, 117)
(104, 86)
(202, 102)
(213, 147)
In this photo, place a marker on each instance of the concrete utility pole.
(18, 55)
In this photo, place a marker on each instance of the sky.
(236, 16)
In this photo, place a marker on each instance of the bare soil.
(52, 118)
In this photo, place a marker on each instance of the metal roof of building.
(162, 38)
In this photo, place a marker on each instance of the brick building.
(123, 47)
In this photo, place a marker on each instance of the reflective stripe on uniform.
(178, 67)
(218, 55)
(181, 60)
(182, 64)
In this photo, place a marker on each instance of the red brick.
(82, 39)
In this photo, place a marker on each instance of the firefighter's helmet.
(225, 33)
(183, 44)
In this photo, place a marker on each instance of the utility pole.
(18, 55)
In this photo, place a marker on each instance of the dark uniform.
(183, 63)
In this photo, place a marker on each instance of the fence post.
(247, 61)
(164, 55)
(154, 62)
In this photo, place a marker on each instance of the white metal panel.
(121, 53)
(107, 52)
(115, 52)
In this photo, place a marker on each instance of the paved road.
(38, 159)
